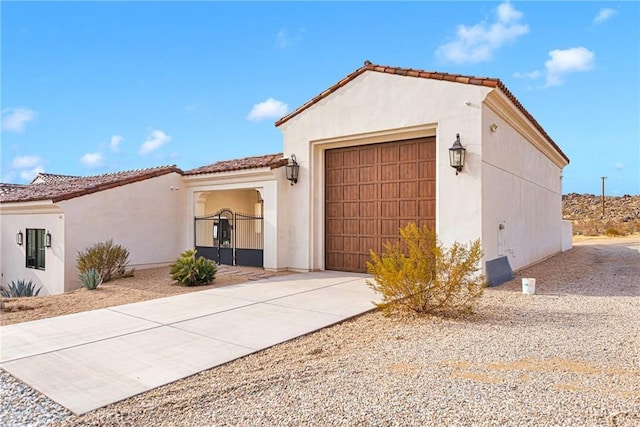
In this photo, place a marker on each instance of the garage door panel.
(389, 227)
(389, 172)
(408, 171)
(368, 209)
(427, 170)
(334, 159)
(350, 176)
(427, 190)
(350, 192)
(409, 190)
(336, 226)
(408, 152)
(389, 154)
(367, 174)
(350, 226)
(334, 193)
(427, 209)
(335, 210)
(408, 208)
(389, 209)
(389, 190)
(368, 192)
(350, 209)
(367, 227)
(383, 187)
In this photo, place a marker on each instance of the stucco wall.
(242, 201)
(147, 217)
(378, 107)
(522, 190)
(13, 257)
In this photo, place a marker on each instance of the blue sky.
(96, 87)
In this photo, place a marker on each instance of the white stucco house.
(373, 155)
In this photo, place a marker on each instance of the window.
(35, 248)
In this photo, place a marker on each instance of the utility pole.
(603, 178)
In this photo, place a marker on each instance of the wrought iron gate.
(231, 238)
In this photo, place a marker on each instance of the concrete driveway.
(87, 360)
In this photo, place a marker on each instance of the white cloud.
(156, 139)
(92, 160)
(114, 143)
(25, 162)
(285, 40)
(530, 75)
(282, 39)
(576, 59)
(15, 119)
(269, 109)
(479, 42)
(603, 15)
(619, 166)
(29, 174)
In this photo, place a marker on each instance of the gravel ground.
(569, 355)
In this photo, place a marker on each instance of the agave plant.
(19, 289)
(193, 271)
(91, 279)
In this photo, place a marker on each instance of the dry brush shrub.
(421, 275)
(109, 260)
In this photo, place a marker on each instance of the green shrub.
(193, 271)
(421, 275)
(91, 279)
(108, 259)
(20, 289)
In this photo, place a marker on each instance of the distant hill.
(621, 214)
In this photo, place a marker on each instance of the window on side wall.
(35, 248)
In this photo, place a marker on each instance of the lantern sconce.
(19, 238)
(47, 240)
(456, 155)
(292, 169)
(493, 128)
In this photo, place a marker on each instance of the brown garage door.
(370, 192)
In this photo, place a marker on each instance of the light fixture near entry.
(19, 238)
(47, 240)
(456, 155)
(292, 169)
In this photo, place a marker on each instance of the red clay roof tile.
(65, 187)
(458, 78)
(269, 160)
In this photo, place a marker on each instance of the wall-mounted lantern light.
(47, 240)
(292, 170)
(19, 238)
(456, 155)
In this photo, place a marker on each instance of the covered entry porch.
(231, 238)
(234, 214)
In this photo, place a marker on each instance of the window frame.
(35, 252)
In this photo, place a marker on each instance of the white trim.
(502, 106)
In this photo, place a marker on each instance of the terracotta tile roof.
(43, 177)
(71, 187)
(409, 72)
(269, 160)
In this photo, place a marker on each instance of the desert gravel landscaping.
(569, 355)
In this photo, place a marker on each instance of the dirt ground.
(145, 285)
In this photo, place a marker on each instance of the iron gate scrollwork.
(231, 238)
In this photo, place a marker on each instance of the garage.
(370, 192)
